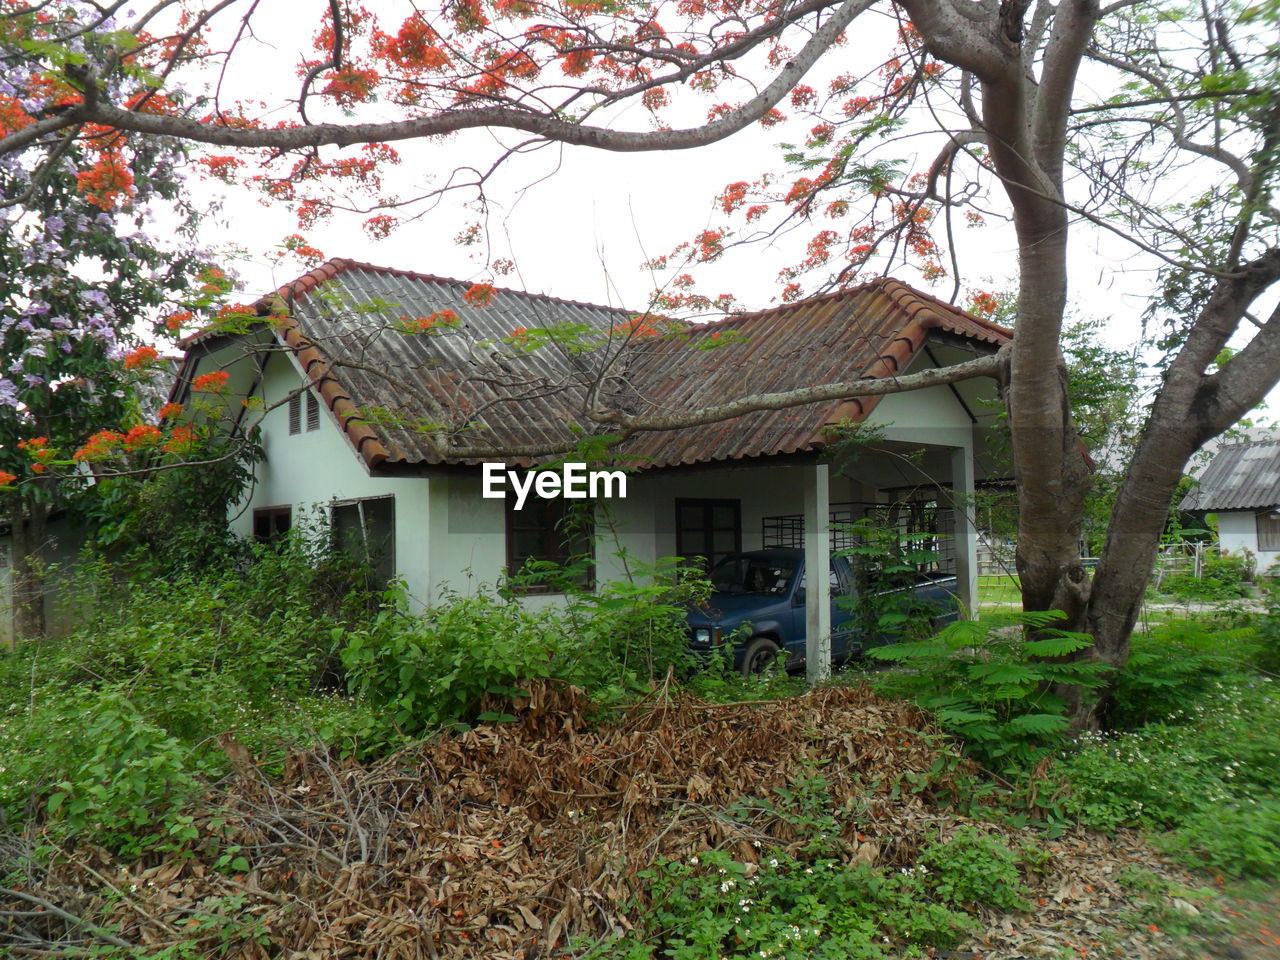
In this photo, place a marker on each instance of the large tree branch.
(1073, 24)
(989, 366)
(543, 124)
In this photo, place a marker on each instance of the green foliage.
(886, 561)
(439, 668)
(1239, 839)
(711, 906)
(973, 867)
(992, 688)
(1176, 662)
(1222, 578)
(1267, 656)
(1208, 774)
(109, 732)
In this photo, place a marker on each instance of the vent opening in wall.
(295, 414)
(313, 411)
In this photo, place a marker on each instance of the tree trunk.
(27, 521)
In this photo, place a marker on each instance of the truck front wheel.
(761, 655)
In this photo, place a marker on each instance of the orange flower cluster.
(441, 318)
(182, 440)
(107, 182)
(141, 357)
(480, 294)
(100, 446)
(7, 478)
(142, 436)
(176, 321)
(170, 410)
(212, 382)
(41, 454)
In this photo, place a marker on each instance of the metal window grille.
(919, 525)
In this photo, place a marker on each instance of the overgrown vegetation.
(285, 672)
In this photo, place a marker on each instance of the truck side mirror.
(798, 599)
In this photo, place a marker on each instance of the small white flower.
(693, 861)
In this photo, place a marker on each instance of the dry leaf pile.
(514, 841)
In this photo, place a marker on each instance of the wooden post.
(966, 532)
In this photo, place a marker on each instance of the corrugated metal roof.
(1242, 476)
(482, 390)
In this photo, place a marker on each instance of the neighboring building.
(359, 402)
(1242, 486)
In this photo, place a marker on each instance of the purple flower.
(8, 394)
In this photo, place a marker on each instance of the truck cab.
(758, 605)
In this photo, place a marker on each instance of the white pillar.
(966, 530)
(817, 564)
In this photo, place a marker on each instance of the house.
(387, 391)
(1242, 486)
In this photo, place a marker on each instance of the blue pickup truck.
(758, 604)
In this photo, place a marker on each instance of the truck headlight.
(702, 635)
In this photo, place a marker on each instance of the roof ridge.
(903, 293)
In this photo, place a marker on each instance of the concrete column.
(966, 530)
(817, 563)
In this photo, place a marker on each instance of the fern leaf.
(1038, 724)
(1058, 644)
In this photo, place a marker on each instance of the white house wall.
(1238, 531)
(307, 471)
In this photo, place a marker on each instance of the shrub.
(990, 688)
(439, 668)
(111, 729)
(711, 905)
(973, 868)
(1240, 840)
(1222, 578)
(1210, 773)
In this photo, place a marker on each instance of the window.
(549, 532)
(271, 523)
(711, 529)
(295, 412)
(1268, 530)
(365, 530)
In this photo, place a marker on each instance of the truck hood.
(730, 609)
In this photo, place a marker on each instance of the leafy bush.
(110, 730)
(711, 905)
(1241, 839)
(439, 668)
(1210, 774)
(1173, 664)
(974, 868)
(989, 687)
(1222, 578)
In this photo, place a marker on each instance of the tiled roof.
(1242, 476)
(509, 399)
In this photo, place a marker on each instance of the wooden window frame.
(271, 514)
(513, 515)
(1269, 539)
(708, 504)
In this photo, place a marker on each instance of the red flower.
(170, 410)
(143, 435)
(177, 321)
(480, 294)
(98, 447)
(140, 358)
(6, 478)
(519, 332)
(211, 381)
(182, 440)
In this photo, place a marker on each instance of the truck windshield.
(739, 574)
